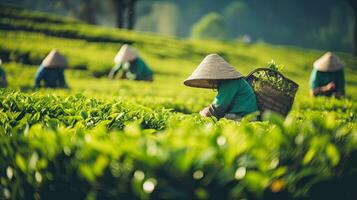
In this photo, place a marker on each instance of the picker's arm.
(114, 71)
(323, 89)
(39, 76)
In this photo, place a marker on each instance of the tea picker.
(264, 89)
(327, 77)
(51, 71)
(235, 98)
(129, 65)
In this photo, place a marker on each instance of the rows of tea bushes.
(8, 11)
(13, 18)
(342, 110)
(32, 53)
(16, 19)
(71, 36)
(74, 147)
(20, 111)
(92, 48)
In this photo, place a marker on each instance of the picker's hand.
(324, 89)
(205, 112)
(330, 86)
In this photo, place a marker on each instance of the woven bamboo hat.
(54, 59)
(212, 69)
(328, 63)
(125, 54)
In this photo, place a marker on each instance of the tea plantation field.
(121, 139)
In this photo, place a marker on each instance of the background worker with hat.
(327, 78)
(131, 65)
(3, 81)
(51, 71)
(235, 97)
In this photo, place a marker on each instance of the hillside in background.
(26, 37)
(319, 24)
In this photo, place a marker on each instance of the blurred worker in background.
(3, 81)
(51, 71)
(130, 65)
(327, 77)
(235, 98)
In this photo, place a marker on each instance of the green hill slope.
(26, 37)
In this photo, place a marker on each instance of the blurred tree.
(161, 17)
(67, 5)
(146, 21)
(210, 26)
(131, 14)
(353, 4)
(238, 16)
(119, 9)
(87, 11)
(338, 27)
(124, 12)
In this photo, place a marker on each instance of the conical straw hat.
(125, 54)
(212, 69)
(54, 59)
(328, 63)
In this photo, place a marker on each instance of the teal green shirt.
(136, 70)
(318, 79)
(2, 72)
(3, 82)
(235, 97)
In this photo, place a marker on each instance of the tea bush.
(70, 153)
(19, 111)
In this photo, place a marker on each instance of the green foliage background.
(321, 24)
(210, 26)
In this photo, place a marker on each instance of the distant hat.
(54, 59)
(212, 69)
(328, 62)
(125, 54)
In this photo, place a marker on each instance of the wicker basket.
(277, 97)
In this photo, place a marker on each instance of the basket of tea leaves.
(273, 90)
